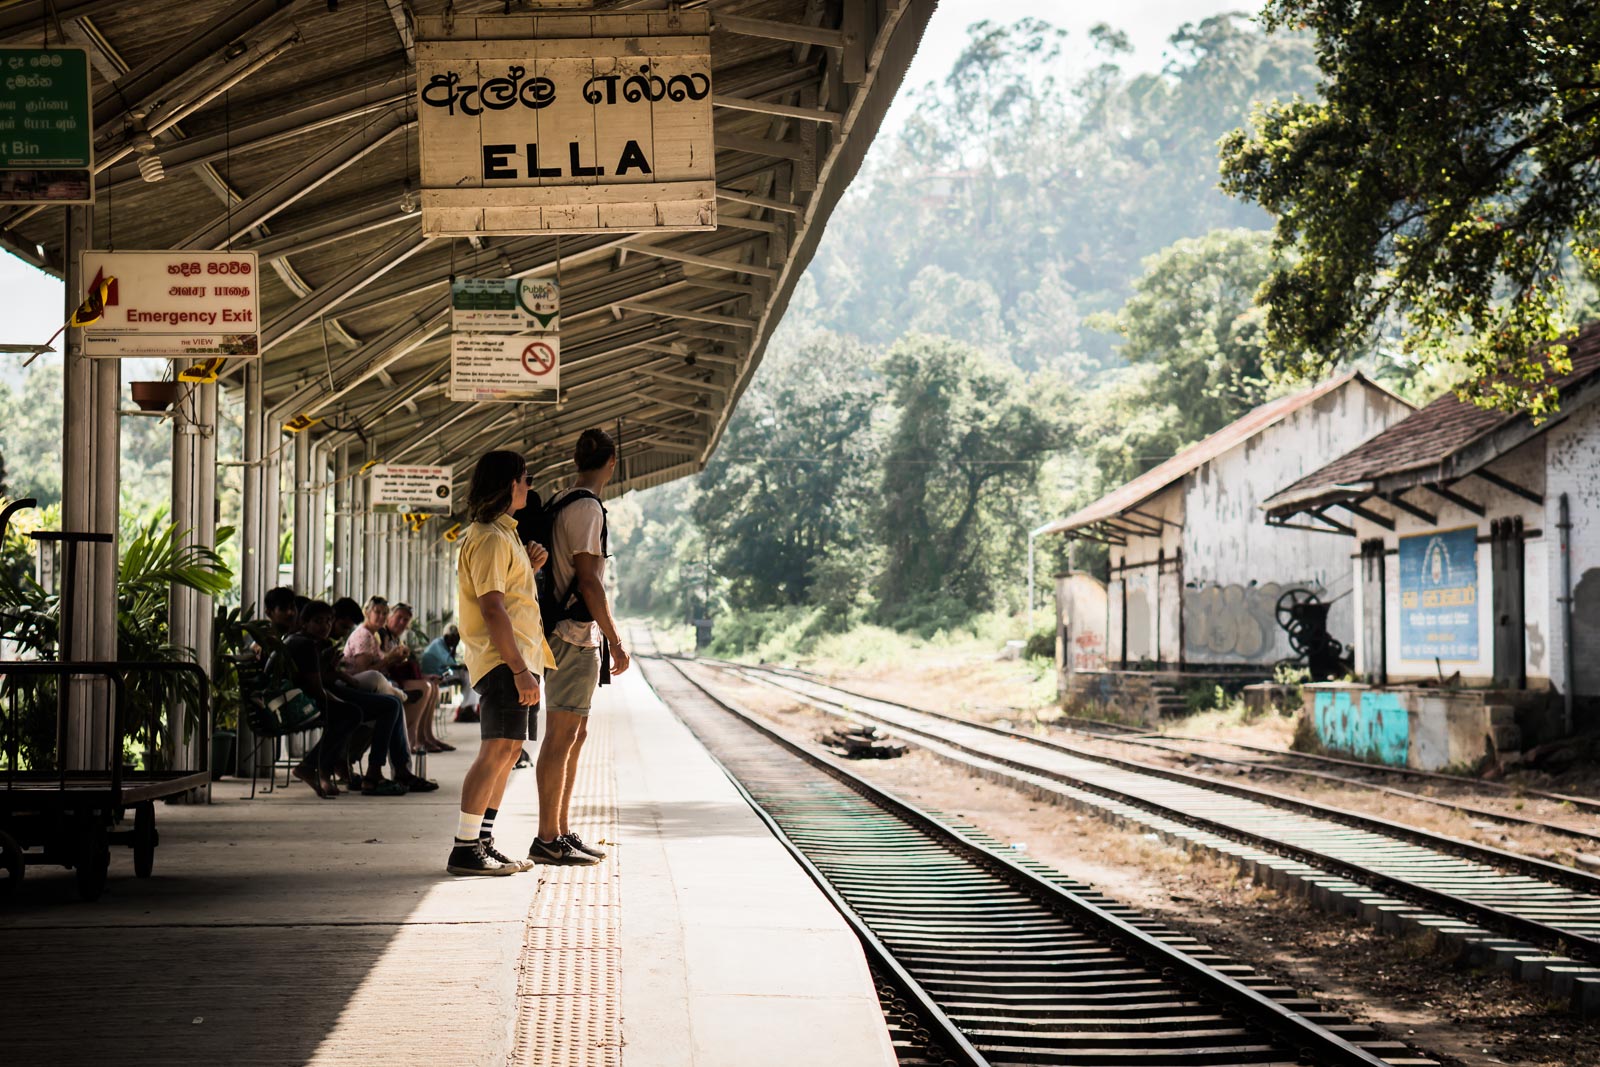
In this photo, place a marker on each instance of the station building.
(1472, 546)
(1196, 577)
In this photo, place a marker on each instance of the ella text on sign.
(566, 124)
(174, 304)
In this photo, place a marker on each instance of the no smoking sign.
(538, 359)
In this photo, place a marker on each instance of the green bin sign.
(46, 126)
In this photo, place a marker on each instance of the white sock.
(467, 826)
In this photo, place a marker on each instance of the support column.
(252, 571)
(271, 498)
(90, 468)
(302, 515)
(318, 491)
(342, 523)
(194, 502)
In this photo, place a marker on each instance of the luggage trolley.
(72, 816)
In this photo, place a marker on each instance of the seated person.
(439, 658)
(368, 674)
(383, 712)
(408, 675)
(282, 611)
(310, 657)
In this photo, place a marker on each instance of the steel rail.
(1557, 939)
(1299, 1035)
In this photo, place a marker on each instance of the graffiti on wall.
(1370, 725)
(1233, 620)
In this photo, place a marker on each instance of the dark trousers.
(387, 715)
(346, 710)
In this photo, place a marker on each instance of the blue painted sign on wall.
(1439, 595)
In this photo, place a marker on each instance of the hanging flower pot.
(154, 396)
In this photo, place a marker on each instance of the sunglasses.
(527, 479)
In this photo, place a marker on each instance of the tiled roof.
(1434, 434)
(1153, 481)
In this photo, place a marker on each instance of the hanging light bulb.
(408, 200)
(150, 166)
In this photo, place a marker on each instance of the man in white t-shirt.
(585, 635)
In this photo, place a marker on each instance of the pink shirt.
(362, 649)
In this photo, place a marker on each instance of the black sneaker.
(474, 859)
(577, 842)
(500, 857)
(523, 760)
(559, 853)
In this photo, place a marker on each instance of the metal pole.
(320, 491)
(252, 502)
(89, 470)
(1564, 524)
(302, 515)
(1031, 535)
(340, 583)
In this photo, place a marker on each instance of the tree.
(959, 472)
(792, 482)
(1192, 322)
(1446, 180)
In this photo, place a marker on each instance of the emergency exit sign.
(46, 126)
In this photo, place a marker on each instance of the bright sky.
(31, 301)
(1148, 24)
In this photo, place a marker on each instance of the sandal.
(417, 784)
(383, 787)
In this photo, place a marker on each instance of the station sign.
(46, 126)
(1439, 595)
(505, 305)
(174, 304)
(490, 367)
(565, 123)
(411, 490)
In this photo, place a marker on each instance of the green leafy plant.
(154, 559)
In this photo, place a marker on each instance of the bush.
(1041, 645)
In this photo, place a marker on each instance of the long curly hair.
(489, 495)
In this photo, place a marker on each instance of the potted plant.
(154, 396)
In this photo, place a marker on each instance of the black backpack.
(537, 522)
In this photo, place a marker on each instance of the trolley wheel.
(92, 859)
(1288, 602)
(12, 864)
(145, 839)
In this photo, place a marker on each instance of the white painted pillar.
(340, 580)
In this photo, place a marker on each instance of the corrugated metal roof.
(1434, 435)
(371, 355)
(1132, 494)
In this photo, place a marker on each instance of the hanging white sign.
(411, 489)
(490, 367)
(173, 304)
(565, 123)
(505, 305)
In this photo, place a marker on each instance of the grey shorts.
(501, 715)
(570, 687)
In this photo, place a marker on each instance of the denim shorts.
(501, 714)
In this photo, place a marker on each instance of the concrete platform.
(291, 930)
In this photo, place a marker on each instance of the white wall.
(1573, 467)
(1236, 566)
(1152, 605)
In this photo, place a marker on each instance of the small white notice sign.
(174, 304)
(489, 367)
(505, 305)
(410, 489)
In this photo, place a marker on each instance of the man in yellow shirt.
(503, 645)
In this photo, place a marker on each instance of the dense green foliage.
(1444, 181)
(1038, 292)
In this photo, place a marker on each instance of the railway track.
(984, 959)
(1539, 920)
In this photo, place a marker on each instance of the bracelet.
(522, 671)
